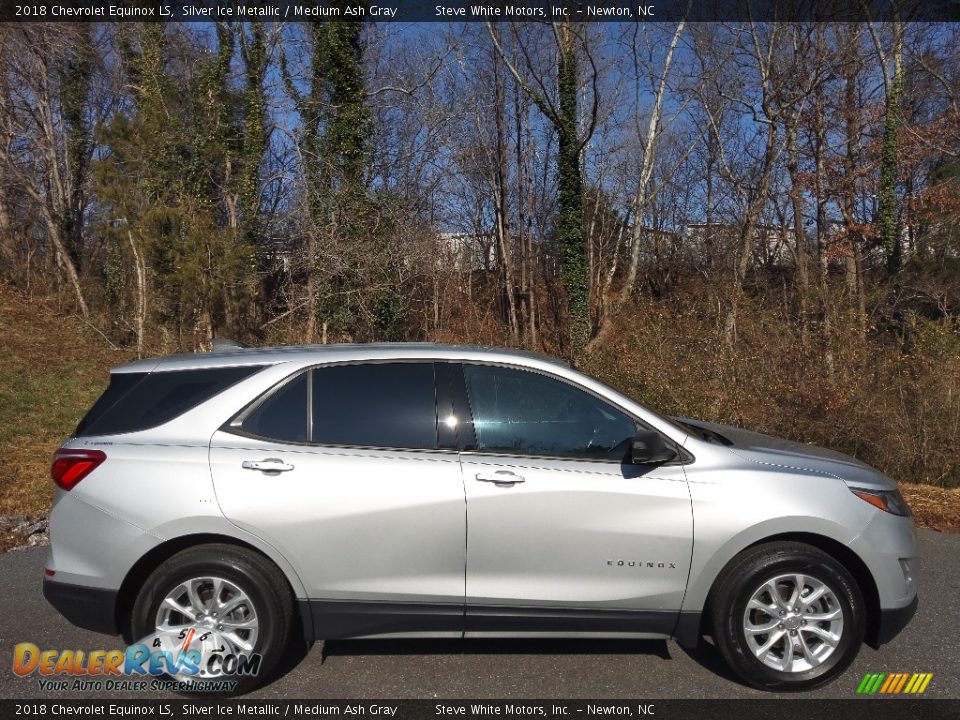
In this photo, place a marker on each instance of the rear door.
(339, 469)
(564, 534)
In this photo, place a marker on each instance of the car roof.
(234, 355)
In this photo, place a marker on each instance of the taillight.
(71, 466)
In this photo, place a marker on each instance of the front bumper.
(86, 607)
(888, 547)
(892, 622)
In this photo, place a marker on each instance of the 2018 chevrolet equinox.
(433, 490)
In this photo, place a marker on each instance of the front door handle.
(269, 465)
(500, 477)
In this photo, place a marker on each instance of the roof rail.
(220, 344)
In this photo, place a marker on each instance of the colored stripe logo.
(894, 683)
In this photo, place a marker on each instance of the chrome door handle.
(500, 477)
(268, 465)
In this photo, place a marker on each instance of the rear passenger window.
(283, 415)
(143, 401)
(388, 405)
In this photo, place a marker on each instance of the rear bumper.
(893, 621)
(86, 607)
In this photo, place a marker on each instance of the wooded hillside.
(751, 223)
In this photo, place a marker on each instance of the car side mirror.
(649, 448)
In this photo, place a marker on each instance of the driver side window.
(519, 412)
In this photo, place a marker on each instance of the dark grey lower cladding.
(891, 622)
(86, 607)
(336, 619)
(579, 620)
(689, 630)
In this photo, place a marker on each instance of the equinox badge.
(642, 563)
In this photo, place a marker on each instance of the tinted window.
(120, 385)
(283, 415)
(375, 405)
(518, 412)
(156, 398)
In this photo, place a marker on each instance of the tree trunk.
(642, 197)
(573, 270)
(310, 331)
(63, 260)
(799, 233)
(887, 210)
(141, 274)
(757, 199)
(8, 251)
(501, 204)
(819, 151)
(850, 164)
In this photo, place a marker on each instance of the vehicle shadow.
(707, 656)
(295, 654)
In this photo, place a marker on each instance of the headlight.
(890, 501)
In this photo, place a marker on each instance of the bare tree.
(562, 109)
(46, 137)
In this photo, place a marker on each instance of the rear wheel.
(787, 616)
(231, 607)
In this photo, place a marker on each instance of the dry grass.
(53, 369)
(10, 540)
(55, 366)
(934, 507)
(897, 411)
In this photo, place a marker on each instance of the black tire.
(745, 574)
(261, 580)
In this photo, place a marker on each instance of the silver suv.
(429, 490)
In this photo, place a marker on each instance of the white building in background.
(464, 252)
(278, 256)
(772, 245)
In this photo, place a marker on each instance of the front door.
(338, 469)
(563, 533)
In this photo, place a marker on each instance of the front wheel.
(218, 616)
(787, 616)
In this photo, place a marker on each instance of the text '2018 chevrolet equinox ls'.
(353, 491)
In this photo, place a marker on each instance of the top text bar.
(491, 10)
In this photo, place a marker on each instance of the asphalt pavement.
(513, 669)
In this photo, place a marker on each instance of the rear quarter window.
(282, 415)
(139, 401)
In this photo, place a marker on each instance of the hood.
(768, 450)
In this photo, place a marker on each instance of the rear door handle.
(500, 477)
(268, 465)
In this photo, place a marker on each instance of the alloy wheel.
(793, 622)
(221, 614)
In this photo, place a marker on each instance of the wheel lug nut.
(780, 626)
(793, 632)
